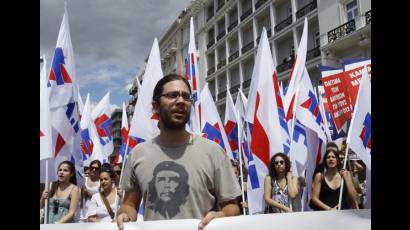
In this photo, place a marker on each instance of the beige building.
(227, 34)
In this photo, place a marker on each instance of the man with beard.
(177, 168)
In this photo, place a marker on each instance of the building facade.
(227, 34)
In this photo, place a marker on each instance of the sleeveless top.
(58, 208)
(330, 196)
(281, 196)
(84, 209)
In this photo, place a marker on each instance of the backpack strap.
(107, 205)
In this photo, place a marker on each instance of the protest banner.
(353, 73)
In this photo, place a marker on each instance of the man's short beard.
(167, 122)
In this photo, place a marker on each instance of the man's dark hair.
(159, 87)
(332, 145)
(178, 198)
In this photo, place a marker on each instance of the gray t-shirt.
(180, 182)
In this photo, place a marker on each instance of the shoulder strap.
(107, 205)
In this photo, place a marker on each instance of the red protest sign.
(337, 96)
(353, 74)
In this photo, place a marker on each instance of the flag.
(124, 134)
(240, 106)
(45, 125)
(61, 81)
(263, 120)
(63, 102)
(191, 75)
(231, 124)
(101, 117)
(211, 125)
(359, 136)
(80, 103)
(144, 122)
(296, 74)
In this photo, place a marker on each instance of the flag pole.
(46, 200)
(342, 181)
(240, 159)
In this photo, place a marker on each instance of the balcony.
(368, 15)
(259, 3)
(268, 33)
(246, 14)
(233, 56)
(286, 65)
(221, 63)
(211, 70)
(220, 5)
(306, 9)
(341, 31)
(220, 35)
(232, 25)
(283, 24)
(221, 95)
(247, 47)
(210, 43)
(246, 83)
(235, 88)
(315, 52)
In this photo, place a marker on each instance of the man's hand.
(209, 216)
(121, 219)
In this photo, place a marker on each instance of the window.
(352, 10)
(316, 40)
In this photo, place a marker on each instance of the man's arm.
(229, 208)
(129, 208)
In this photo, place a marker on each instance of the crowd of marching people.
(100, 197)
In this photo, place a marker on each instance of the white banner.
(319, 220)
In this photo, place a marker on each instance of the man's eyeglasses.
(279, 162)
(118, 172)
(94, 168)
(173, 95)
(56, 204)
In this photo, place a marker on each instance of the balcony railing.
(283, 24)
(285, 66)
(220, 35)
(220, 5)
(221, 63)
(235, 88)
(232, 25)
(306, 9)
(211, 70)
(315, 52)
(221, 95)
(210, 43)
(233, 56)
(368, 17)
(259, 3)
(341, 31)
(246, 83)
(247, 47)
(209, 17)
(246, 14)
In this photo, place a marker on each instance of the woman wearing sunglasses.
(326, 185)
(91, 187)
(64, 195)
(104, 204)
(281, 187)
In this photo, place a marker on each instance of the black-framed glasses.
(94, 168)
(56, 205)
(173, 95)
(118, 172)
(279, 162)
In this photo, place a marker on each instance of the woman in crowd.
(281, 187)
(92, 186)
(63, 197)
(326, 185)
(104, 204)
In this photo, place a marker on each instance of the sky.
(111, 40)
